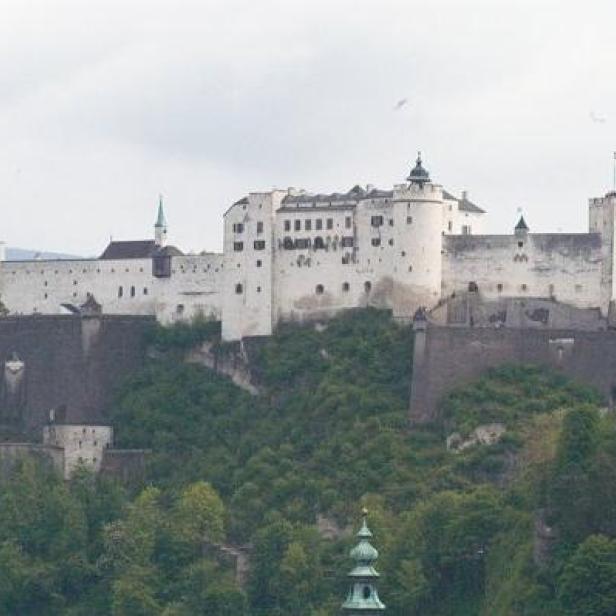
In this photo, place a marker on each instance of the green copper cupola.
(363, 597)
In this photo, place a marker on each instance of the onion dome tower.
(418, 174)
(363, 598)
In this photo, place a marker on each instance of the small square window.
(238, 246)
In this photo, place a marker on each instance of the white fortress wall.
(326, 261)
(567, 267)
(247, 289)
(124, 286)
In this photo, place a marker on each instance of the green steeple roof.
(363, 597)
(160, 220)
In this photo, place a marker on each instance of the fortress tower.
(418, 224)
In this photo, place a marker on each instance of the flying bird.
(401, 103)
(597, 119)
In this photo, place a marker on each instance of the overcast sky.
(105, 104)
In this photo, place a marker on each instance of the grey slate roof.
(465, 205)
(355, 194)
(137, 249)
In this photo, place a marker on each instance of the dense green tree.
(587, 586)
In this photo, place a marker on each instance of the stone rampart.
(447, 357)
(71, 363)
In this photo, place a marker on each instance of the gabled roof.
(138, 249)
(134, 249)
(468, 206)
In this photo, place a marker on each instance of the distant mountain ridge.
(25, 254)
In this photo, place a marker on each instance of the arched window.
(132, 291)
(346, 286)
(120, 291)
(319, 289)
(318, 243)
(367, 286)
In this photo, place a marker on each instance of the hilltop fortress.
(294, 255)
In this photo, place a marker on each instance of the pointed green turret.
(160, 228)
(160, 220)
(363, 597)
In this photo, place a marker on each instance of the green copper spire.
(363, 597)
(160, 220)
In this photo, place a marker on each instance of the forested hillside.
(525, 526)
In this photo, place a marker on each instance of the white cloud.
(105, 104)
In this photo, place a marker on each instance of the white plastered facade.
(292, 256)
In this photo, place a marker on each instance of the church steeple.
(363, 598)
(160, 228)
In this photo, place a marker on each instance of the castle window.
(259, 227)
(120, 291)
(391, 222)
(238, 246)
(46, 295)
(308, 225)
(391, 242)
(403, 253)
(319, 243)
(238, 227)
(367, 286)
(319, 289)
(287, 225)
(330, 223)
(239, 288)
(132, 291)
(410, 268)
(258, 289)
(346, 286)
(376, 221)
(347, 242)
(298, 225)
(45, 283)
(145, 290)
(318, 224)
(74, 282)
(347, 222)
(450, 226)
(179, 309)
(259, 263)
(376, 241)
(499, 287)
(523, 287)
(259, 245)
